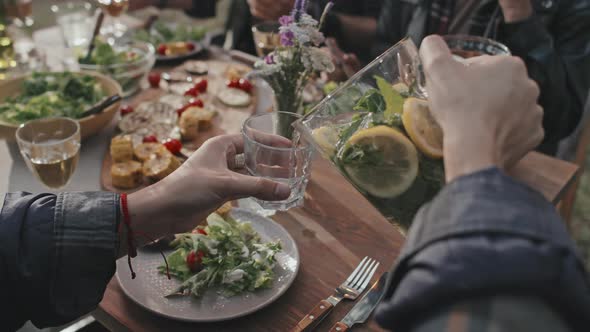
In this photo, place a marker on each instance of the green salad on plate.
(226, 255)
(52, 94)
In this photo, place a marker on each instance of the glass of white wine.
(51, 148)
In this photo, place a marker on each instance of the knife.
(363, 309)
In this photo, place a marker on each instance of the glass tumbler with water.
(76, 21)
(269, 155)
(50, 148)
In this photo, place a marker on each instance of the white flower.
(307, 20)
(317, 59)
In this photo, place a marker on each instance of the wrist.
(467, 156)
(145, 208)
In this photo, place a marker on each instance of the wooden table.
(334, 229)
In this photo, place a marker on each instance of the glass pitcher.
(377, 130)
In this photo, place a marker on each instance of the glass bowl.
(129, 74)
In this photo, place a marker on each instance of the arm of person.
(486, 238)
(58, 252)
(486, 249)
(557, 58)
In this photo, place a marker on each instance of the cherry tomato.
(162, 48)
(201, 231)
(126, 110)
(190, 46)
(173, 145)
(154, 79)
(150, 139)
(234, 83)
(181, 110)
(192, 92)
(196, 102)
(245, 85)
(194, 260)
(202, 85)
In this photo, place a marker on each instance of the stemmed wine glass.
(113, 9)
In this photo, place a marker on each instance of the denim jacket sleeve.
(57, 254)
(485, 235)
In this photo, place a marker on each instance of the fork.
(350, 289)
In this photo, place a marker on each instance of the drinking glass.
(76, 21)
(269, 155)
(113, 28)
(50, 148)
(465, 46)
(266, 37)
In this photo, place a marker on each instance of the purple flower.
(299, 9)
(269, 59)
(287, 38)
(286, 20)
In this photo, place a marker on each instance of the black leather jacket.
(554, 43)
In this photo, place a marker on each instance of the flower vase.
(287, 103)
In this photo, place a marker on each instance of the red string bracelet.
(131, 249)
(131, 246)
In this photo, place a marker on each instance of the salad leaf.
(234, 259)
(52, 94)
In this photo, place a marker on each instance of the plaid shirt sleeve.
(484, 236)
(58, 255)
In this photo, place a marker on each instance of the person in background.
(552, 37)
(486, 249)
(488, 253)
(351, 23)
(194, 8)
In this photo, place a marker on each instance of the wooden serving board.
(229, 120)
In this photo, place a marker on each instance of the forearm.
(60, 251)
(485, 234)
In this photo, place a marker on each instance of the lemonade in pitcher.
(378, 131)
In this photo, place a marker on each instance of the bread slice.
(126, 175)
(121, 149)
(145, 151)
(160, 165)
(194, 120)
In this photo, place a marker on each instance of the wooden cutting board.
(229, 120)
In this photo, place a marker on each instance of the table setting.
(121, 106)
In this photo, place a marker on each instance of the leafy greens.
(230, 256)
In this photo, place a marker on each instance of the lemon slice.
(392, 166)
(327, 138)
(423, 128)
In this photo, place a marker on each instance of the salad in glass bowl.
(128, 64)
